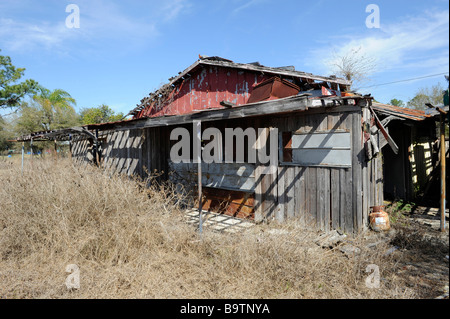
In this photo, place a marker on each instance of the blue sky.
(123, 50)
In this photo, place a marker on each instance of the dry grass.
(132, 242)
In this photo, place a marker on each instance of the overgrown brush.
(131, 241)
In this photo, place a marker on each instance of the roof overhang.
(297, 103)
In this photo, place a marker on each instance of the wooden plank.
(312, 196)
(323, 198)
(290, 189)
(280, 212)
(357, 171)
(259, 217)
(366, 190)
(320, 198)
(335, 197)
(299, 193)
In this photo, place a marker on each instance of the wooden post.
(31, 152)
(70, 145)
(442, 151)
(56, 150)
(97, 154)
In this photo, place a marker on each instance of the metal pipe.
(442, 155)
(198, 150)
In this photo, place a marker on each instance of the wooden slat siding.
(380, 180)
(149, 152)
(118, 165)
(298, 196)
(130, 152)
(323, 198)
(357, 153)
(153, 151)
(335, 197)
(319, 198)
(365, 188)
(290, 190)
(312, 195)
(108, 151)
(347, 185)
(271, 195)
(302, 196)
(166, 150)
(280, 212)
(258, 183)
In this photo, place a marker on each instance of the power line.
(412, 79)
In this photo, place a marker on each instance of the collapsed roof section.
(60, 135)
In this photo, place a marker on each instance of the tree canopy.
(396, 102)
(433, 95)
(48, 110)
(11, 90)
(100, 114)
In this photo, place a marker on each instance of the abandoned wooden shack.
(329, 171)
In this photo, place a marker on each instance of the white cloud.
(247, 5)
(174, 8)
(419, 42)
(19, 35)
(101, 23)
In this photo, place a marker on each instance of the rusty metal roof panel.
(404, 112)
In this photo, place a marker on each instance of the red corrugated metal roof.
(156, 104)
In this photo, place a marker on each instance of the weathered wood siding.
(321, 196)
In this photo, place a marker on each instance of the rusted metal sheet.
(231, 203)
(402, 112)
(272, 89)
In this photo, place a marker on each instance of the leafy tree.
(49, 110)
(12, 91)
(396, 102)
(5, 135)
(57, 108)
(433, 95)
(100, 114)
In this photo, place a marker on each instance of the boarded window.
(329, 148)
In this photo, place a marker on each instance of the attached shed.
(413, 173)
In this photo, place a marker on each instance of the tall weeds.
(131, 241)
